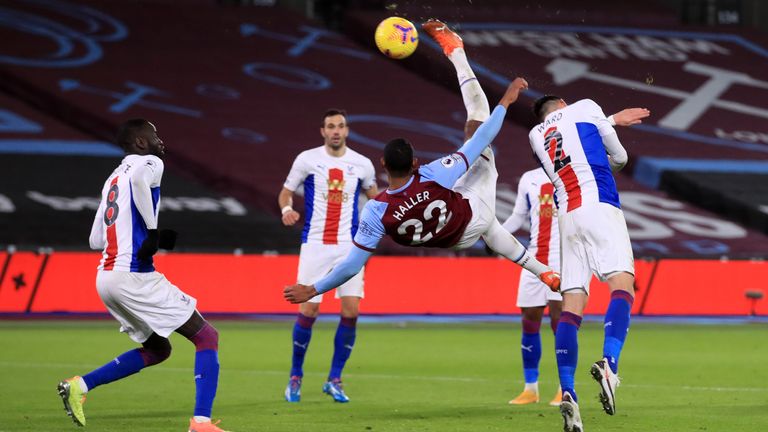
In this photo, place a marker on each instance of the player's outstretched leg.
(206, 340)
(506, 245)
(302, 335)
(72, 391)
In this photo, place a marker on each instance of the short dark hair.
(542, 104)
(128, 131)
(332, 112)
(398, 156)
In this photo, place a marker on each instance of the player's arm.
(145, 177)
(96, 239)
(343, 272)
(444, 171)
(369, 233)
(617, 156)
(520, 212)
(285, 201)
(296, 176)
(629, 117)
(486, 133)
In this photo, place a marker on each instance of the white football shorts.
(532, 292)
(593, 240)
(144, 303)
(317, 260)
(478, 185)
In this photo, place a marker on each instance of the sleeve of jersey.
(370, 177)
(370, 230)
(343, 272)
(296, 175)
(447, 170)
(142, 181)
(604, 125)
(516, 220)
(96, 239)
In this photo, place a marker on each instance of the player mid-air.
(448, 203)
(578, 148)
(535, 203)
(148, 307)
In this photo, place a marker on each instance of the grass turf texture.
(414, 377)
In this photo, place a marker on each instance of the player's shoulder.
(529, 175)
(311, 153)
(150, 161)
(356, 156)
(586, 104)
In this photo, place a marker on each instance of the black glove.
(167, 239)
(149, 246)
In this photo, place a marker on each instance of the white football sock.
(475, 100)
(534, 387)
(201, 419)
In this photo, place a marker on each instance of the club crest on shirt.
(335, 185)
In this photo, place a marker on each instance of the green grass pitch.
(407, 377)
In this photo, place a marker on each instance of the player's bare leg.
(605, 371)
(344, 342)
(302, 335)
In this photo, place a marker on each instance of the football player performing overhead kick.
(448, 203)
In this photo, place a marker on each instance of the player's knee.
(156, 352)
(206, 339)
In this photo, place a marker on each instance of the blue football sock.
(302, 334)
(126, 364)
(567, 350)
(206, 381)
(343, 344)
(616, 327)
(531, 350)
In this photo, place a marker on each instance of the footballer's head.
(398, 158)
(546, 104)
(335, 129)
(139, 136)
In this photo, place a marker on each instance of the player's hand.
(513, 91)
(299, 293)
(630, 116)
(291, 217)
(149, 246)
(166, 239)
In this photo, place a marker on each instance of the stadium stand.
(221, 112)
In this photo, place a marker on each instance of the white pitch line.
(381, 376)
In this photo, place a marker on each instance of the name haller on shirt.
(409, 204)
